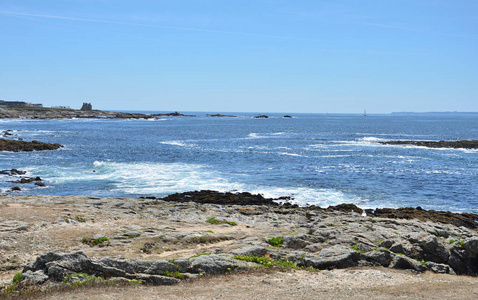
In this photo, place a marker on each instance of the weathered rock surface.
(173, 114)
(214, 197)
(464, 219)
(19, 146)
(55, 267)
(56, 113)
(465, 144)
(161, 237)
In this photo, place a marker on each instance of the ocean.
(317, 159)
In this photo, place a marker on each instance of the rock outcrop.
(465, 144)
(59, 268)
(86, 107)
(20, 146)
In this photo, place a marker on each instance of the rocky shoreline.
(162, 241)
(57, 113)
(465, 144)
(22, 146)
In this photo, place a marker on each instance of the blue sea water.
(315, 158)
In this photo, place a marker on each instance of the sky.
(309, 56)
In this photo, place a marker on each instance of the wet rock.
(214, 197)
(13, 172)
(465, 219)
(465, 144)
(20, 146)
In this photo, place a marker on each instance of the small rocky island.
(465, 144)
(21, 146)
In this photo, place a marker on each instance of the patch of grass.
(422, 261)
(70, 276)
(369, 228)
(276, 241)
(460, 243)
(210, 231)
(175, 274)
(267, 262)
(16, 278)
(214, 221)
(135, 282)
(356, 248)
(93, 242)
(80, 219)
(451, 241)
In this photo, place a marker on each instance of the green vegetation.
(70, 276)
(16, 278)
(135, 282)
(80, 219)
(276, 241)
(451, 241)
(214, 221)
(460, 243)
(422, 261)
(267, 262)
(356, 248)
(93, 242)
(175, 274)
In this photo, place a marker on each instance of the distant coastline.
(435, 113)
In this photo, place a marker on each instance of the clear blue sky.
(261, 56)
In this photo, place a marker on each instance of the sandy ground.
(374, 283)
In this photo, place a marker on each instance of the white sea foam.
(161, 179)
(291, 154)
(176, 143)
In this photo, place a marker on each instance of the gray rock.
(334, 257)
(471, 245)
(404, 262)
(37, 277)
(160, 266)
(157, 279)
(183, 265)
(212, 264)
(380, 256)
(251, 251)
(440, 268)
(300, 241)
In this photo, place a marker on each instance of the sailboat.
(364, 113)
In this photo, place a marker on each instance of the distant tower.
(86, 106)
